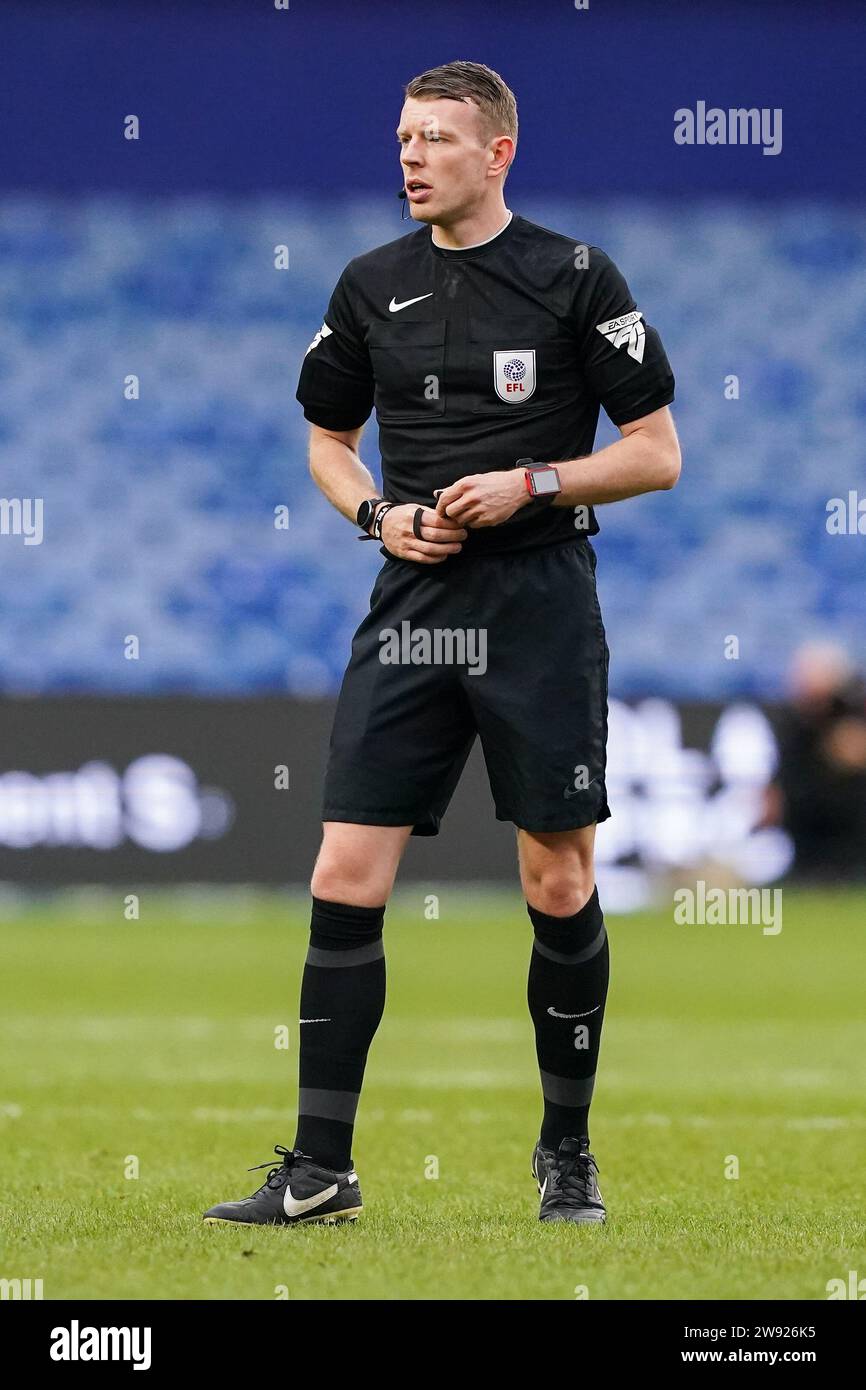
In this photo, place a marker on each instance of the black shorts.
(509, 647)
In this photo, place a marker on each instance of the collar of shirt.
(479, 248)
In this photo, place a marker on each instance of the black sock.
(342, 1001)
(568, 978)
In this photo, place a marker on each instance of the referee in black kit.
(486, 344)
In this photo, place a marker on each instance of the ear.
(501, 154)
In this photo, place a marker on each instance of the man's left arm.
(625, 367)
(646, 459)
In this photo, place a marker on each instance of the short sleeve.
(336, 381)
(622, 356)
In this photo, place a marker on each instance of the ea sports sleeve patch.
(622, 356)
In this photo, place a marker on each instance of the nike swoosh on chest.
(395, 306)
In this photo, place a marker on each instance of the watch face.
(544, 481)
(365, 512)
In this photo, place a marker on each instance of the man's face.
(443, 157)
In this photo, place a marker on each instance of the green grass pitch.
(153, 1041)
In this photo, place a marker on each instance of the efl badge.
(514, 374)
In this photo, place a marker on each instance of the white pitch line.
(373, 1113)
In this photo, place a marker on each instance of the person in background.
(819, 792)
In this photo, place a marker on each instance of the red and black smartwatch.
(542, 480)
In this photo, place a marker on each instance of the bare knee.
(357, 864)
(559, 894)
(557, 871)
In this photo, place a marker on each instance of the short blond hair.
(462, 81)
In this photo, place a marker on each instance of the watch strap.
(377, 504)
(369, 505)
(375, 532)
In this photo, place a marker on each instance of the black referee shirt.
(479, 357)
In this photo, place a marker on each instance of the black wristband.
(379, 518)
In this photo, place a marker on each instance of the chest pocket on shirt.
(518, 364)
(408, 362)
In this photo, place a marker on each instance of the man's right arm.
(337, 469)
(336, 389)
(339, 473)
